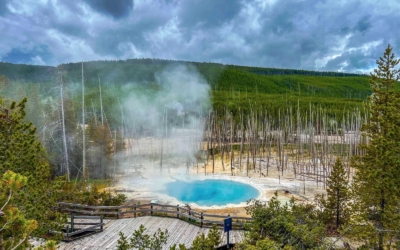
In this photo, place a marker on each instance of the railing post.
(201, 219)
(177, 211)
(134, 209)
(101, 222)
(227, 235)
(151, 210)
(72, 223)
(118, 213)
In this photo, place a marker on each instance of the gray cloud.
(3, 7)
(208, 13)
(322, 35)
(363, 25)
(116, 9)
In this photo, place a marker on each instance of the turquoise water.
(211, 192)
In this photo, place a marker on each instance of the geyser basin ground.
(211, 192)
(150, 184)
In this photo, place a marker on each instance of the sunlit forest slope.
(232, 87)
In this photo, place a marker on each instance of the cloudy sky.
(345, 35)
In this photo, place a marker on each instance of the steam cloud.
(167, 121)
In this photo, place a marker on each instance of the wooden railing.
(71, 233)
(128, 211)
(73, 229)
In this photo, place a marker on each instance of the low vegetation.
(142, 241)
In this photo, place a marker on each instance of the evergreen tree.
(50, 245)
(100, 149)
(376, 183)
(21, 153)
(289, 226)
(14, 227)
(178, 247)
(119, 142)
(142, 241)
(34, 112)
(123, 243)
(201, 243)
(214, 236)
(336, 209)
(210, 242)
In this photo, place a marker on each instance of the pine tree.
(142, 241)
(210, 242)
(376, 183)
(34, 111)
(14, 227)
(201, 243)
(21, 153)
(291, 226)
(214, 236)
(100, 149)
(336, 205)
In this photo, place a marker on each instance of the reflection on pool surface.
(211, 192)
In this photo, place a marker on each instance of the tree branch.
(4, 226)
(8, 200)
(19, 243)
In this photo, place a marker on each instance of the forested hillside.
(27, 73)
(231, 86)
(219, 76)
(135, 97)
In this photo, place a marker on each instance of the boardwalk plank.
(180, 233)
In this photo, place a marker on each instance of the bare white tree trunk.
(101, 105)
(83, 129)
(63, 131)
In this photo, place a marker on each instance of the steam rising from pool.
(164, 128)
(211, 192)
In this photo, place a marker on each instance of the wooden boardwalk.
(180, 233)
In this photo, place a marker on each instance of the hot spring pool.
(211, 192)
